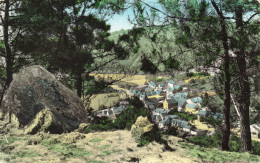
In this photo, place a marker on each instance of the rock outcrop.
(37, 101)
(141, 126)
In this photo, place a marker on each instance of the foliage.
(214, 155)
(185, 116)
(153, 135)
(128, 117)
(214, 141)
(207, 141)
(210, 120)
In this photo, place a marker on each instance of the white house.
(255, 130)
(170, 83)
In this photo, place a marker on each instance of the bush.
(128, 117)
(212, 121)
(153, 135)
(183, 116)
(214, 141)
(100, 124)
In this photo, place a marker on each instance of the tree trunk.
(226, 127)
(79, 84)
(8, 53)
(244, 95)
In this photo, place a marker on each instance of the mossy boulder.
(39, 102)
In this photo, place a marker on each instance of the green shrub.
(128, 117)
(256, 147)
(153, 135)
(125, 120)
(212, 121)
(214, 141)
(183, 116)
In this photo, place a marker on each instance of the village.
(165, 97)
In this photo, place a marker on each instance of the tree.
(66, 36)
(12, 57)
(206, 28)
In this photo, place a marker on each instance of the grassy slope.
(116, 146)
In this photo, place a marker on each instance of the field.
(106, 99)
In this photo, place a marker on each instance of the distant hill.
(166, 48)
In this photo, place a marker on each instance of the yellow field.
(106, 99)
(196, 78)
(136, 79)
(202, 126)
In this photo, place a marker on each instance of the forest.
(72, 39)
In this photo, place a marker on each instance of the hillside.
(166, 48)
(111, 146)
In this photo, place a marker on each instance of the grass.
(10, 140)
(106, 99)
(71, 151)
(216, 155)
(26, 153)
(104, 146)
(96, 140)
(108, 152)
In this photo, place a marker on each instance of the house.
(218, 116)
(104, 113)
(203, 114)
(123, 103)
(133, 92)
(182, 124)
(149, 88)
(196, 100)
(164, 123)
(169, 103)
(158, 92)
(117, 110)
(185, 89)
(151, 107)
(192, 108)
(169, 92)
(255, 130)
(166, 120)
(156, 118)
(161, 86)
(177, 88)
(159, 111)
(151, 101)
(152, 84)
(170, 83)
(180, 95)
(142, 97)
(181, 103)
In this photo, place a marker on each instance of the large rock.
(141, 126)
(37, 101)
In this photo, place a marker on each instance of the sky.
(120, 21)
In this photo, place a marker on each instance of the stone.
(36, 101)
(141, 126)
